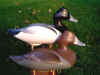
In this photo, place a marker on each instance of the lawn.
(16, 13)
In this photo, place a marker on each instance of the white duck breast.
(38, 34)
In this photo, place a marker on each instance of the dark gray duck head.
(62, 14)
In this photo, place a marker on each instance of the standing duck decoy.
(39, 33)
(46, 59)
(59, 16)
(36, 34)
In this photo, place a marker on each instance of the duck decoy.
(59, 16)
(36, 34)
(47, 59)
(39, 33)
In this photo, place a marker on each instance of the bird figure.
(46, 58)
(40, 33)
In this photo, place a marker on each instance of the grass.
(87, 29)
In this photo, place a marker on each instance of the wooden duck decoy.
(36, 34)
(47, 59)
(39, 33)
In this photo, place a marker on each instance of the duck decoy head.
(64, 14)
(69, 37)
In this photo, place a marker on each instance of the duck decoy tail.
(13, 31)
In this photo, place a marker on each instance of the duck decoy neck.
(57, 20)
(58, 24)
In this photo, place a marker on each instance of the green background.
(14, 14)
